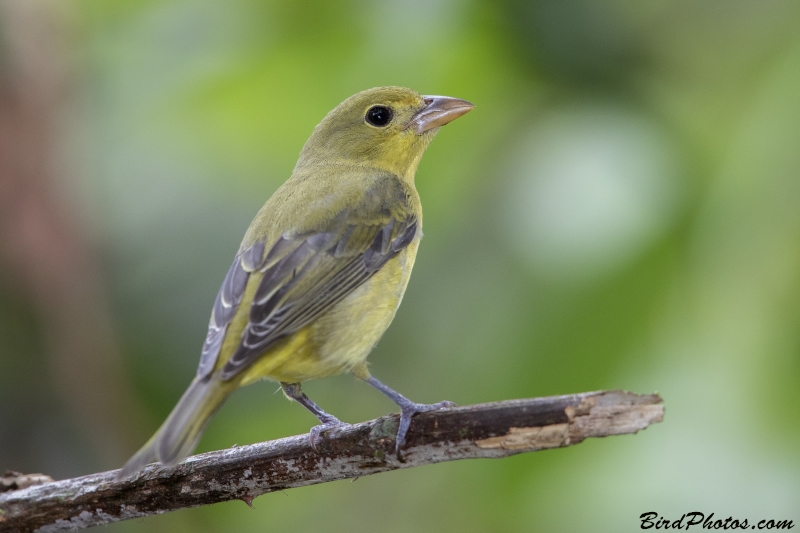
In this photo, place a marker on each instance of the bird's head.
(387, 128)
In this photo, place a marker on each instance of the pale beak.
(438, 111)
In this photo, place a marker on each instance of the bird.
(321, 270)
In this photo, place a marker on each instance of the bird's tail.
(179, 434)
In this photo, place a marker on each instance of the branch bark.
(488, 430)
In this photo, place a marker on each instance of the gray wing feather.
(227, 303)
(286, 301)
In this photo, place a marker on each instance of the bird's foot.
(407, 411)
(315, 434)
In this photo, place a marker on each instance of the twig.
(488, 430)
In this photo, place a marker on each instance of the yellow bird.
(321, 270)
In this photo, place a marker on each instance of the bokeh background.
(621, 210)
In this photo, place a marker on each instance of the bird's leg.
(294, 392)
(407, 410)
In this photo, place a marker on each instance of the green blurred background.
(620, 210)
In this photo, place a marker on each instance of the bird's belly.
(340, 340)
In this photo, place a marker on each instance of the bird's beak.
(438, 111)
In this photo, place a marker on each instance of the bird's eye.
(379, 115)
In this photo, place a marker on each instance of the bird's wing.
(227, 303)
(304, 275)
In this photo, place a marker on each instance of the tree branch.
(489, 430)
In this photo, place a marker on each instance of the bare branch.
(488, 430)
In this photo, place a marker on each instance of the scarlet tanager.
(321, 270)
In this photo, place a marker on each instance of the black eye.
(379, 115)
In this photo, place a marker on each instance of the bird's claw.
(315, 434)
(407, 412)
